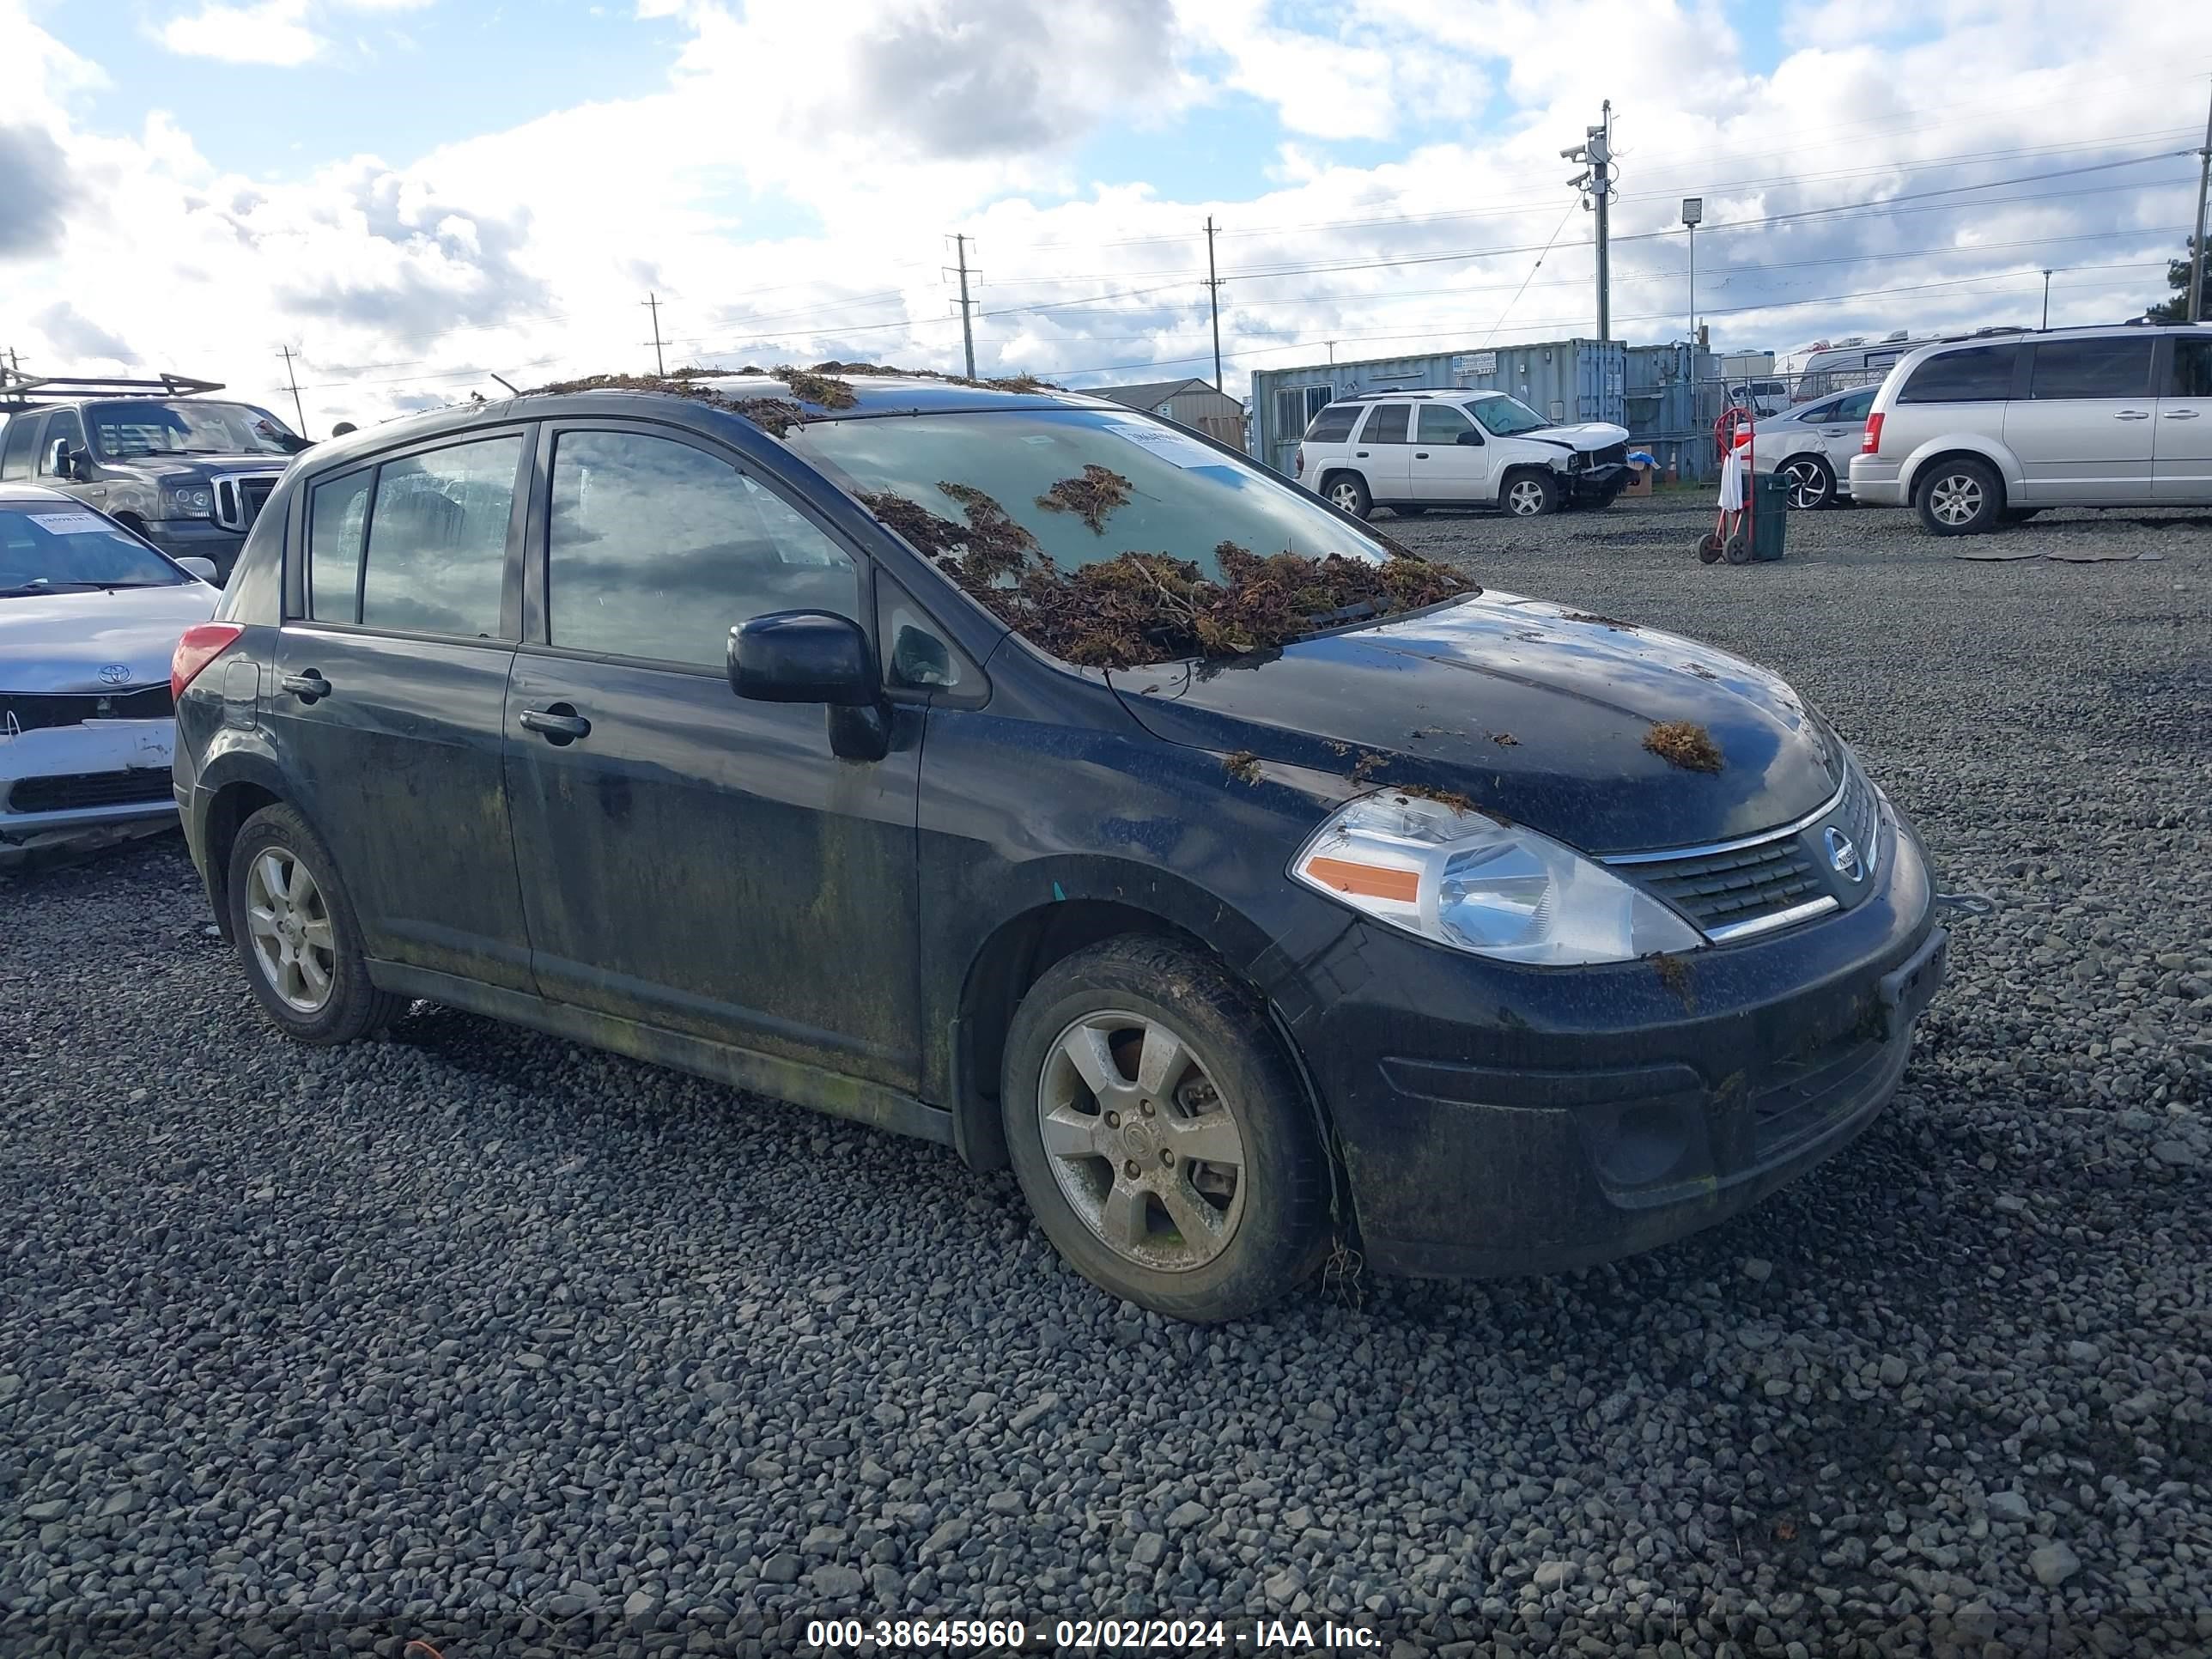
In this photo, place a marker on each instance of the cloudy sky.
(415, 194)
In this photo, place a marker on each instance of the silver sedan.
(1812, 446)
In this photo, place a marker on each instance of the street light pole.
(2046, 299)
(1693, 213)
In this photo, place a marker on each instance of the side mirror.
(63, 461)
(204, 568)
(1471, 437)
(803, 656)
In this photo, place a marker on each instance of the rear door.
(1842, 428)
(392, 688)
(1449, 461)
(19, 445)
(1383, 451)
(2084, 432)
(2182, 447)
(690, 859)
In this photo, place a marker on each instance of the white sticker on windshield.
(70, 523)
(1173, 448)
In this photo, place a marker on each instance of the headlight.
(1461, 879)
(187, 502)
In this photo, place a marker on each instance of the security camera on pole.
(1595, 182)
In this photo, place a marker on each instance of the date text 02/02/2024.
(1188, 1635)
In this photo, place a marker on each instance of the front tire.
(1959, 497)
(1811, 483)
(1160, 1134)
(1409, 512)
(1348, 490)
(294, 924)
(1530, 496)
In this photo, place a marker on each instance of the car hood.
(1590, 434)
(169, 466)
(72, 642)
(1536, 712)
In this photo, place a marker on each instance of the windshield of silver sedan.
(59, 547)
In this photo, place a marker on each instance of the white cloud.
(273, 31)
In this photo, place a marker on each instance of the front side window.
(2191, 373)
(1440, 424)
(337, 512)
(1334, 424)
(123, 429)
(64, 425)
(1389, 424)
(1977, 375)
(2091, 368)
(1506, 417)
(658, 550)
(437, 540)
(48, 547)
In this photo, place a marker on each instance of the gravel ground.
(477, 1335)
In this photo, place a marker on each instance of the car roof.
(1456, 392)
(2090, 331)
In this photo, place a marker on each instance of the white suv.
(1974, 434)
(1410, 451)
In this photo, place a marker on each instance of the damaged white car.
(90, 615)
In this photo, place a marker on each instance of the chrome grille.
(239, 498)
(1720, 888)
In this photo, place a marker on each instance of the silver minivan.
(1972, 434)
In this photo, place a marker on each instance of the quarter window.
(1334, 424)
(1387, 425)
(1440, 424)
(2091, 368)
(658, 550)
(437, 540)
(2191, 374)
(1975, 374)
(22, 439)
(337, 512)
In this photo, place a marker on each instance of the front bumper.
(1596, 484)
(1876, 483)
(71, 785)
(198, 539)
(1501, 1120)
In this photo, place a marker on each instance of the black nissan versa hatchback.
(1482, 935)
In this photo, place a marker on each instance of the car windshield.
(61, 547)
(121, 430)
(1503, 416)
(1087, 484)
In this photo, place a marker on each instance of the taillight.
(1871, 443)
(1298, 462)
(201, 644)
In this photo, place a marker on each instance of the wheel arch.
(228, 795)
(1337, 470)
(1956, 448)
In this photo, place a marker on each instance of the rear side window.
(1334, 424)
(22, 439)
(2091, 368)
(658, 551)
(1856, 407)
(437, 540)
(337, 512)
(1977, 375)
(1387, 425)
(2191, 374)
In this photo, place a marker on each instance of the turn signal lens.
(201, 644)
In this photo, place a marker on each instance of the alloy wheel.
(1808, 488)
(1140, 1142)
(1525, 497)
(1346, 496)
(289, 923)
(1956, 500)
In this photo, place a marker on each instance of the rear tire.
(294, 924)
(1960, 498)
(1529, 495)
(1348, 490)
(1811, 483)
(1190, 1178)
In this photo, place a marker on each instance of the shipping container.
(1656, 392)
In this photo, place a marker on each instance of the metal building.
(1194, 402)
(1659, 393)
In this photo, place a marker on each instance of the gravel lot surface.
(481, 1336)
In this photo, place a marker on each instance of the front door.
(1382, 451)
(2182, 456)
(391, 697)
(66, 426)
(2084, 432)
(690, 860)
(1449, 461)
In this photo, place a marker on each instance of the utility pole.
(652, 304)
(2047, 300)
(294, 380)
(1595, 182)
(967, 327)
(1213, 293)
(2197, 247)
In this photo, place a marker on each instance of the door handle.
(1420, 454)
(558, 724)
(2133, 415)
(310, 687)
(2181, 414)
(1360, 454)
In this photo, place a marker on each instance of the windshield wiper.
(44, 585)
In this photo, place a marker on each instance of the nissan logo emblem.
(1843, 857)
